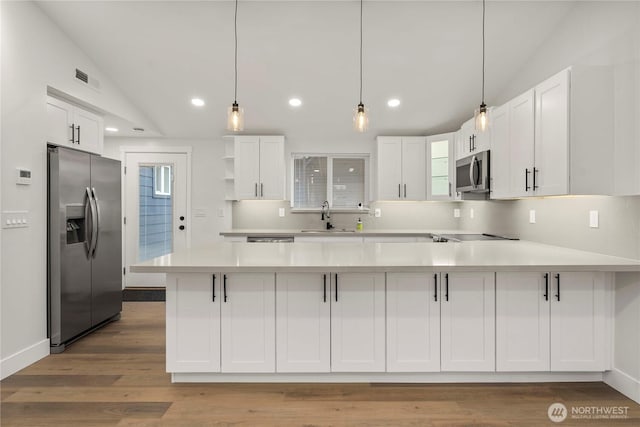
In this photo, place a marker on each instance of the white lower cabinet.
(303, 308)
(248, 322)
(358, 322)
(468, 322)
(193, 323)
(413, 322)
(551, 321)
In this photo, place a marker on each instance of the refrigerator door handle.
(96, 222)
(88, 216)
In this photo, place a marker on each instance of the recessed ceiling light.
(393, 102)
(111, 129)
(295, 102)
(197, 102)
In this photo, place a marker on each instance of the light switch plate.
(471, 213)
(280, 212)
(15, 219)
(532, 216)
(199, 213)
(456, 213)
(594, 219)
(377, 213)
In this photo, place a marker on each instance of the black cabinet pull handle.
(336, 287)
(446, 294)
(405, 191)
(261, 190)
(435, 287)
(213, 288)
(73, 133)
(470, 149)
(399, 193)
(535, 171)
(526, 179)
(546, 286)
(224, 287)
(255, 189)
(558, 294)
(324, 292)
(473, 139)
(78, 129)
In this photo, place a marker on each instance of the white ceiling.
(427, 54)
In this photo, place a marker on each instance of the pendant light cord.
(361, 51)
(235, 78)
(483, 13)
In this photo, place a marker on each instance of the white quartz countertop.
(228, 257)
(270, 232)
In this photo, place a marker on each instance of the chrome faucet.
(326, 214)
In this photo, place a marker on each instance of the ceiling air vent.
(90, 81)
(81, 75)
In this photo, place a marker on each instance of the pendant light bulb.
(481, 118)
(361, 118)
(235, 118)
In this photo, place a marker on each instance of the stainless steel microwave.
(472, 173)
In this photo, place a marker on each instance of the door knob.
(181, 227)
(181, 218)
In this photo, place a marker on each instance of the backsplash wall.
(395, 215)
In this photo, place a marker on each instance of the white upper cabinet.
(468, 322)
(72, 126)
(401, 172)
(258, 167)
(472, 141)
(440, 167)
(358, 322)
(413, 322)
(560, 139)
(303, 302)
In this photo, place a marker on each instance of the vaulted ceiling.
(425, 53)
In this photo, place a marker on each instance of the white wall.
(35, 54)
(207, 184)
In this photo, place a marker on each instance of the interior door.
(156, 221)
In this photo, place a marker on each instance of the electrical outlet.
(532, 216)
(594, 220)
(281, 212)
(471, 213)
(456, 213)
(377, 213)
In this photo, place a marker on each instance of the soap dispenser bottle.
(359, 225)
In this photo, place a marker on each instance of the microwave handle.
(472, 175)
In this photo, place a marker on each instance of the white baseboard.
(20, 360)
(392, 377)
(624, 383)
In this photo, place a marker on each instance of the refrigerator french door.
(84, 247)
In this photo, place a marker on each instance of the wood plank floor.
(116, 377)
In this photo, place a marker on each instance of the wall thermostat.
(23, 177)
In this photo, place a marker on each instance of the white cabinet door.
(465, 146)
(522, 321)
(303, 302)
(578, 322)
(500, 151)
(358, 322)
(521, 145)
(248, 322)
(389, 158)
(552, 135)
(414, 178)
(440, 167)
(193, 323)
(89, 131)
(59, 122)
(272, 168)
(413, 322)
(468, 322)
(247, 167)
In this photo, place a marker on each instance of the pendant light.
(235, 114)
(480, 114)
(360, 116)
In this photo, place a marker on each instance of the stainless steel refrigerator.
(84, 244)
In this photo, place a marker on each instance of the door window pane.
(310, 182)
(156, 212)
(348, 182)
